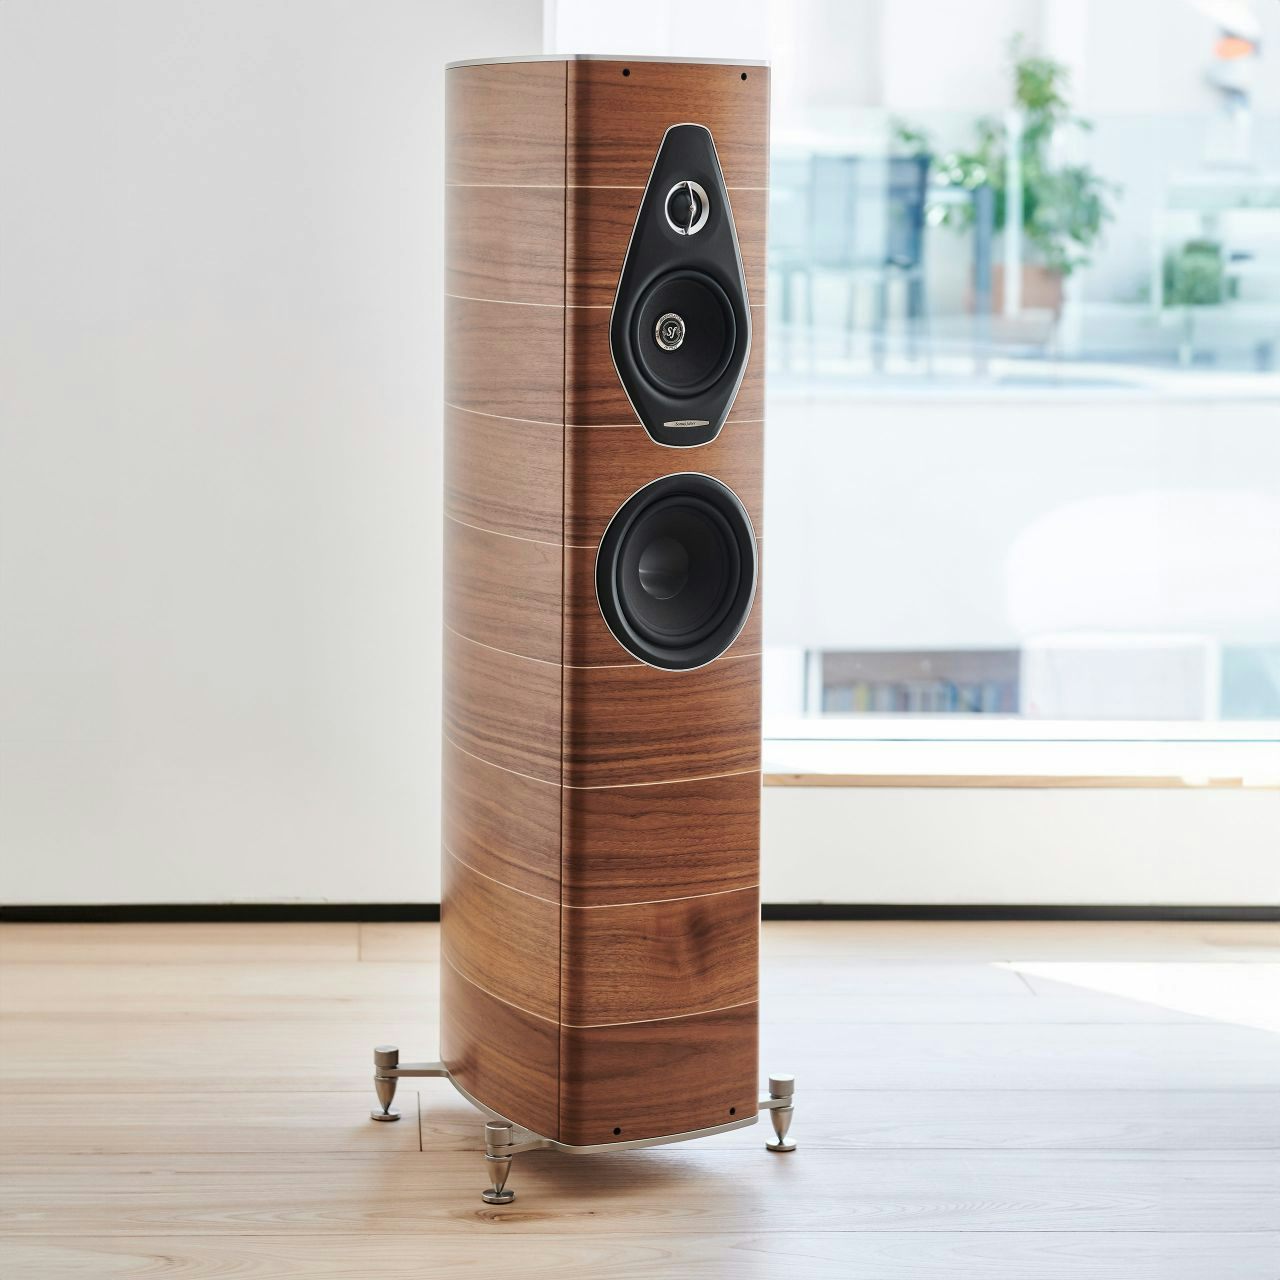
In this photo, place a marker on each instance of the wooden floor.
(974, 1101)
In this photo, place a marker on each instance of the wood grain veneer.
(496, 1051)
(505, 359)
(503, 708)
(504, 592)
(477, 905)
(506, 124)
(505, 825)
(629, 725)
(600, 818)
(650, 1078)
(659, 959)
(594, 395)
(505, 243)
(616, 122)
(504, 475)
(628, 844)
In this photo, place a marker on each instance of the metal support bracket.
(780, 1104)
(504, 1139)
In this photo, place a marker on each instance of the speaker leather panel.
(503, 1057)
(588, 640)
(616, 122)
(594, 395)
(659, 959)
(473, 909)
(638, 724)
(655, 1078)
(503, 592)
(505, 360)
(502, 708)
(600, 222)
(504, 825)
(506, 124)
(504, 475)
(604, 466)
(505, 243)
(628, 844)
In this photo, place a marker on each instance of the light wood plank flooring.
(975, 1101)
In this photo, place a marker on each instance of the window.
(1023, 447)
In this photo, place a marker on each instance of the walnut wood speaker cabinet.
(601, 809)
(604, 404)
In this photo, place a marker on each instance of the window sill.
(1018, 759)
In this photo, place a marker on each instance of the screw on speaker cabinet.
(680, 331)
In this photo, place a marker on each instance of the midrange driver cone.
(684, 333)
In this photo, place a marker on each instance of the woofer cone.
(708, 339)
(676, 571)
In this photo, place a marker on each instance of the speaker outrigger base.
(504, 1139)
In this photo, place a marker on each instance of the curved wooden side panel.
(506, 243)
(496, 937)
(502, 708)
(504, 825)
(504, 462)
(504, 475)
(505, 360)
(646, 1079)
(506, 1058)
(506, 124)
(503, 592)
(633, 844)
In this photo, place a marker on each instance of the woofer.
(676, 571)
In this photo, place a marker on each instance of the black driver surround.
(676, 571)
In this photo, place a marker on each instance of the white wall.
(220, 245)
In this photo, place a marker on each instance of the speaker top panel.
(680, 330)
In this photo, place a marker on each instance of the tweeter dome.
(604, 426)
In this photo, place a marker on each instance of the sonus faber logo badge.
(669, 331)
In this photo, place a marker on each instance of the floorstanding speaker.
(604, 406)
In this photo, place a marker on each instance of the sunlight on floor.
(1246, 994)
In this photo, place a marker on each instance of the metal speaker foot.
(781, 1109)
(385, 1057)
(497, 1135)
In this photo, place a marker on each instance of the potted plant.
(1064, 208)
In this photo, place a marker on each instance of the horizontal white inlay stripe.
(497, 533)
(604, 786)
(502, 417)
(587, 1026)
(493, 764)
(595, 906)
